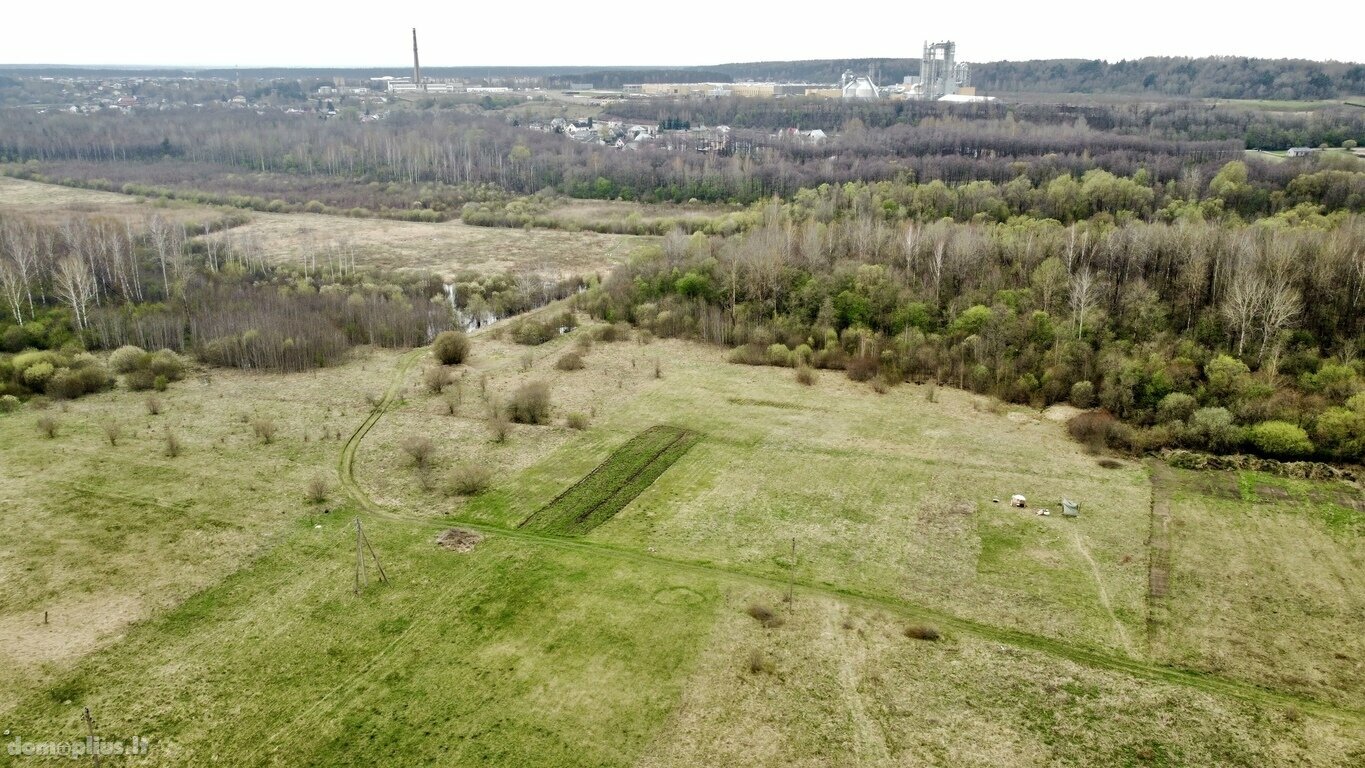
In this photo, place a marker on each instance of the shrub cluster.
(55, 374)
(143, 370)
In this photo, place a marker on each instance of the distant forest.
(1223, 77)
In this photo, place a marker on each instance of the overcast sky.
(255, 33)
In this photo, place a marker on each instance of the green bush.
(778, 354)
(8, 403)
(533, 332)
(451, 347)
(1227, 376)
(1176, 406)
(1213, 428)
(127, 359)
(70, 383)
(139, 380)
(37, 375)
(1083, 394)
(1341, 431)
(1280, 439)
(165, 363)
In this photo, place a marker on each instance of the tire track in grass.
(1085, 656)
(1103, 593)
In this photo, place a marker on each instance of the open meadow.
(928, 625)
(665, 559)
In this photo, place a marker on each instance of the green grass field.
(631, 641)
(614, 483)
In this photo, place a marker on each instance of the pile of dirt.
(459, 540)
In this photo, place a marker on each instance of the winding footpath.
(1086, 656)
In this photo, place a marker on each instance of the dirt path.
(1104, 593)
(1090, 657)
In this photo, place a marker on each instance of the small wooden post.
(90, 736)
(791, 574)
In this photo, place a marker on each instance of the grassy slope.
(882, 493)
(103, 536)
(1268, 581)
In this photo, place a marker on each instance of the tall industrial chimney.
(416, 66)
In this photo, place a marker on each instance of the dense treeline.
(1223, 77)
(467, 152)
(1171, 121)
(439, 163)
(1194, 334)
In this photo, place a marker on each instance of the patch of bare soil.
(1062, 412)
(459, 540)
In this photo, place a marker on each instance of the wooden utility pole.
(90, 736)
(362, 545)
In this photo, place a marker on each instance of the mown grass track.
(614, 483)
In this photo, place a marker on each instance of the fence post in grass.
(90, 736)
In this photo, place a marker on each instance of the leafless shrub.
(922, 632)
(806, 375)
(154, 405)
(451, 347)
(931, 392)
(419, 449)
(469, 480)
(452, 398)
(530, 404)
(112, 431)
(527, 361)
(569, 361)
(264, 429)
(759, 663)
(765, 615)
(437, 377)
(879, 386)
(173, 446)
(584, 343)
(576, 421)
(47, 426)
(318, 489)
(1091, 428)
(658, 369)
(499, 426)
